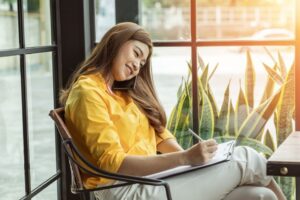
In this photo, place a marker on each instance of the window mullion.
(297, 70)
(194, 66)
(24, 98)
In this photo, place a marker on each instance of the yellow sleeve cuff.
(111, 161)
(163, 136)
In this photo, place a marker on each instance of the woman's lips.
(129, 70)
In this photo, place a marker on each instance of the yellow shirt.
(107, 127)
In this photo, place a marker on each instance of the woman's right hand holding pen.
(201, 152)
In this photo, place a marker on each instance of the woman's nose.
(136, 65)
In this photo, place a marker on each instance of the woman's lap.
(212, 183)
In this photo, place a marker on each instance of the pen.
(195, 135)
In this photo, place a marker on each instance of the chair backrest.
(58, 117)
(76, 167)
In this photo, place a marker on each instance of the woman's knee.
(253, 166)
(251, 193)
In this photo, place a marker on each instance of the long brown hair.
(101, 60)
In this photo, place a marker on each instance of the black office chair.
(76, 159)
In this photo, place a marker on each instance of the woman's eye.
(136, 53)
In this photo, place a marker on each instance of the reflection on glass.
(37, 22)
(9, 25)
(11, 131)
(271, 70)
(166, 20)
(232, 62)
(105, 17)
(256, 20)
(49, 193)
(169, 65)
(41, 130)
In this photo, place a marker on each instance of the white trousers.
(241, 178)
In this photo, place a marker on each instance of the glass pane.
(9, 20)
(258, 20)
(105, 17)
(259, 73)
(11, 134)
(49, 193)
(41, 129)
(169, 67)
(166, 19)
(255, 97)
(37, 22)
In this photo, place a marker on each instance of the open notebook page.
(223, 154)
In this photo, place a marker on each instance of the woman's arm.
(145, 165)
(105, 145)
(168, 146)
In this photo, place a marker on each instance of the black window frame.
(130, 10)
(65, 57)
(21, 52)
(194, 43)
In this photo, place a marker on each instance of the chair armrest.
(94, 171)
(126, 178)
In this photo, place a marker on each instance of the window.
(235, 39)
(26, 80)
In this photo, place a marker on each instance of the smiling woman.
(121, 131)
(131, 57)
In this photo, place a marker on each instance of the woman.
(121, 130)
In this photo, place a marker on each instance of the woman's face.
(130, 59)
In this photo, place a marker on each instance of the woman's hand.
(200, 153)
(145, 165)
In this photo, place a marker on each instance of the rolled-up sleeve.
(92, 121)
(164, 136)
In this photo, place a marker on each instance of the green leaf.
(212, 73)
(250, 80)
(269, 141)
(282, 66)
(286, 107)
(211, 96)
(260, 135)
(183, 117)
(294, 114)
(242, 110)
(206, 123)
(185, 140)
(257, 119)
(273, 74)
(244, 141)
(201, 62)
(180, 113)
(204, 78)
(172, 120)
(255, 144)
(189, 66)
(288, 185)
(222, 121)
(179, 91)
(231, 123)
(269, 88)
(189, 70)
(269, 53)
(275, 117)
(213, 102)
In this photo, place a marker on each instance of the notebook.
(223, 154)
